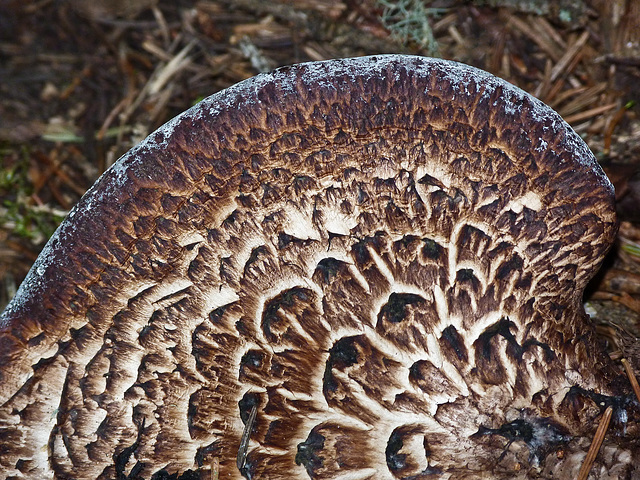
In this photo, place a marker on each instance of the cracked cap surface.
(384, 255)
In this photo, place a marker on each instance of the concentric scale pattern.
(358, 269)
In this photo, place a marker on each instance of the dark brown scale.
(363, 268)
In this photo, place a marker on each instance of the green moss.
(408, 21)
(19, 215)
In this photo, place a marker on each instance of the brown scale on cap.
(376, 263)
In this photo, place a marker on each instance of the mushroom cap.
(367, 268)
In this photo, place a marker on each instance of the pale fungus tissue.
(368, 268)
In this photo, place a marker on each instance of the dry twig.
(632, 377)
(595, 444)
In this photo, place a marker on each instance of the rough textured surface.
(382, 258)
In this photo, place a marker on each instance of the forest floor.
(82, 82)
